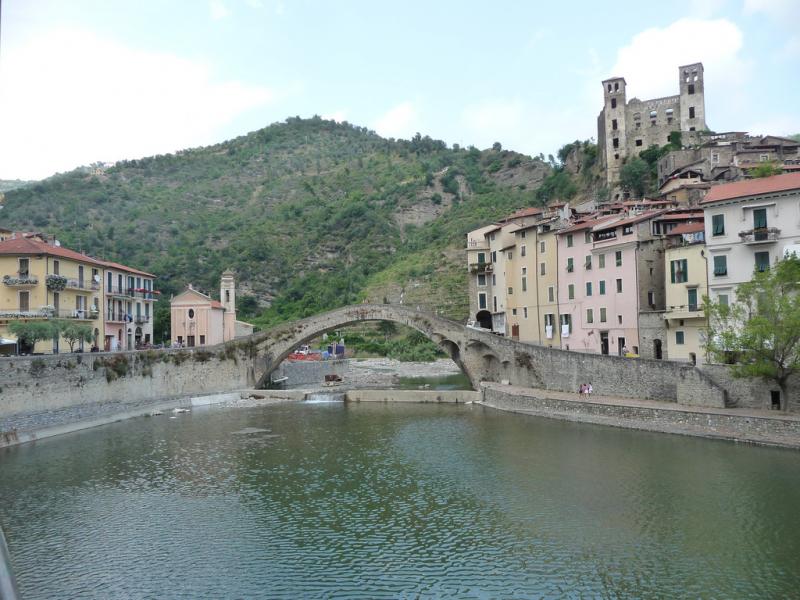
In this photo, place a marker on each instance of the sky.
(103, 80)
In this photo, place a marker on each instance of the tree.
(74, 333)
(30, 332)
(766, 169)
(760, 332)
(633, 176)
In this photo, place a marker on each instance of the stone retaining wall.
(449, 396)
(310, 372)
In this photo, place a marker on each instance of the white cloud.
(704, 9)
(70, 98)
(400, 121)
(218, 10)
(338, 115)
(650, 62)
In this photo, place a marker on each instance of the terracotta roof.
(215, 304)
(28, 246)
(695, 227)
(682, 215)
(630, 220)
(588, 223)
(119, 267)
(753, 187)
(526, 212)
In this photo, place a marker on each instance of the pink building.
(612, 288)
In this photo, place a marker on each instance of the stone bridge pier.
(484, 356)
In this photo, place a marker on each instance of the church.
(198, 320)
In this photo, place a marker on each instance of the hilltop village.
(628, 276)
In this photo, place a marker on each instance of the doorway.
(621, 349)
(657, 349)
(484, 319)
(515, 331)
(604, 342)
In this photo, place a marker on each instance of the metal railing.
(760, 236)
(82, 284)
(20, 279)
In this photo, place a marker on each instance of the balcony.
(20, 280)
(141, 319)
(48, 312)
(762, 235)
(82, 284)
(480, 267)
(117, 317)
(122, 292)
(477, 244)
(81, 314)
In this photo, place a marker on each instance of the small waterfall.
(320, 397)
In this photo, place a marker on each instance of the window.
(491, 237)
(720, 266)
(619, 319)
(602, 315)
(110, 282)
(524, 271)
(524, 284)
(551, 294)
(190, 341)
(678, 270)
(566, 325)
(548, 320)
(679, 338)
(24, 267)
(191, 313)
(760, 218)
(627, 230)
(494, 256)
(692, 298)
(202, 340)
(616, 142)
(481, 258)
(638, 142)
(601, 261)
(541, 247)
(482, 301)
(571, 291)
(510, 255)
(511, 291)
(569, 240)
(762, 261)
(715, 158)
(613, 103)
(570, 265)
(481, 280)
(618, 257)
(56, 267)
(522, 234)
(588, 262)
(525, 312)
(542, 269)
(614, 124)
(587, 237)
(514, 312)
(619, 286)
(589, 316)
(522, 251)
(588, 288)
(651, 299)
(602, 285)
(691, 88)
(763, 158)
(723, 299)
(24, 301)
(494, 303)
(718, 225)
(691, 112)
(494, 279)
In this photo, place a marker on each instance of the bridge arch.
(274, 346)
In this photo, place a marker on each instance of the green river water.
(333, 500)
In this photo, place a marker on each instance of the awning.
(7, 342)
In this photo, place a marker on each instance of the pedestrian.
(589, 390)
(581, 389)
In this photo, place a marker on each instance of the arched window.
(191, 313)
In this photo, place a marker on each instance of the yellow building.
(547, 283)
(43, 281)
(685, 286)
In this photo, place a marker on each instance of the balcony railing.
(141, 319)
(129, 292)
(82, 284)
(763, 235)
(48, 312)
(20, 280)
(480, 267)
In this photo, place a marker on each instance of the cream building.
(686, 284)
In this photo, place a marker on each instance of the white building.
(748, 226)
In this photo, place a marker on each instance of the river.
(396, 500)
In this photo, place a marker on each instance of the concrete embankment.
(734, 424)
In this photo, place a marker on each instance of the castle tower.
(614, 133)
(693, 103)
(227, 296)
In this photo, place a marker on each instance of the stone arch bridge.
(484, 356)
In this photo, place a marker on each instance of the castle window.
(613, 103)
(609, 87)
(616, 142)
(691, 88)
(691, 112)
(638, 124)
(614, 124)
(691, 128)
(616, 86)
(616, 157)
(638, 142)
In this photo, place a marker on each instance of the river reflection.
(376, 500)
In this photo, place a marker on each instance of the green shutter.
(672, 271)
(760, 218)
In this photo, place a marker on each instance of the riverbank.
(737, 425)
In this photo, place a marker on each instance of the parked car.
(476, 325)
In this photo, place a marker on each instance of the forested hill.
(310, 214)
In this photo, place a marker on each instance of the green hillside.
(311, 214)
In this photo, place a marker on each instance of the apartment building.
(685, 284)
(41, 280)
(749, 225)
(129, 302)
